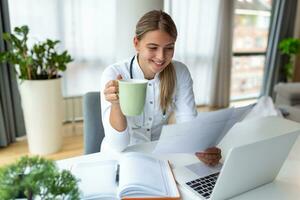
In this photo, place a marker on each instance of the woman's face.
(155, 51)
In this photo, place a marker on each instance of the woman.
(169, 88)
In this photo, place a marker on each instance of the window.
(250, 37)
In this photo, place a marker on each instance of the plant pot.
(42, 104)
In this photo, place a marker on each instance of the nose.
(160, 55)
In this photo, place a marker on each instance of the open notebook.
(140, 177)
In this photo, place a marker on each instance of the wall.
(127, 15)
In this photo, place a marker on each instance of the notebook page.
(97, 179)
(169, 179)
(141, 175)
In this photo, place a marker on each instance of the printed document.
(205, 131)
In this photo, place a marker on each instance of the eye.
(152, 48)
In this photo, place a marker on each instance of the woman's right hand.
(111, 91)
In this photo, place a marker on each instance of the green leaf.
(25, 29)
(290, 46)
(6, 36)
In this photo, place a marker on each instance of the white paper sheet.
(188, 137)
(238, 114)
(96, 179)
(205, 131)
(141, 171)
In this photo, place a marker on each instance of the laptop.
(245, 167)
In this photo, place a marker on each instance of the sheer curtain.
(204, 45)
(95, 32)
(85, 28)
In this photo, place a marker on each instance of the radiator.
(73, 109)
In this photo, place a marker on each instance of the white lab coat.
(147, 126)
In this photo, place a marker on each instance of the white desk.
(285, 187)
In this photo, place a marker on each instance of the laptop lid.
(252, 165)
(246, 167)
(253, 130)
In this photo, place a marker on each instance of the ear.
(136, 43)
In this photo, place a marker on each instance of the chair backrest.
(92, 122)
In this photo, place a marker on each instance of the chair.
(288, 99)
(92, 123)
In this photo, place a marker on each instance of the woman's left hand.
(211, 156)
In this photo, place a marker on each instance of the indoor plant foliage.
(36, 178)
(42, 61)
(289, 47)
(38, 67)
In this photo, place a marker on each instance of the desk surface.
(285, 187)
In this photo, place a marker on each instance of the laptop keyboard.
(205, 185)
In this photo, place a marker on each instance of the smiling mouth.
(158, 63)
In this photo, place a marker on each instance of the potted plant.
(36, 178)
(289, 47)
(38, 70)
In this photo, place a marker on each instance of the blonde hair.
(159, 20)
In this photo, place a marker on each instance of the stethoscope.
(131, 77)
(130, 67)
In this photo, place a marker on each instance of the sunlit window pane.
(247, 73)
(250, 36)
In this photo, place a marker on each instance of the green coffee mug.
(132, 94)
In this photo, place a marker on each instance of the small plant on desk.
(36, 178)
